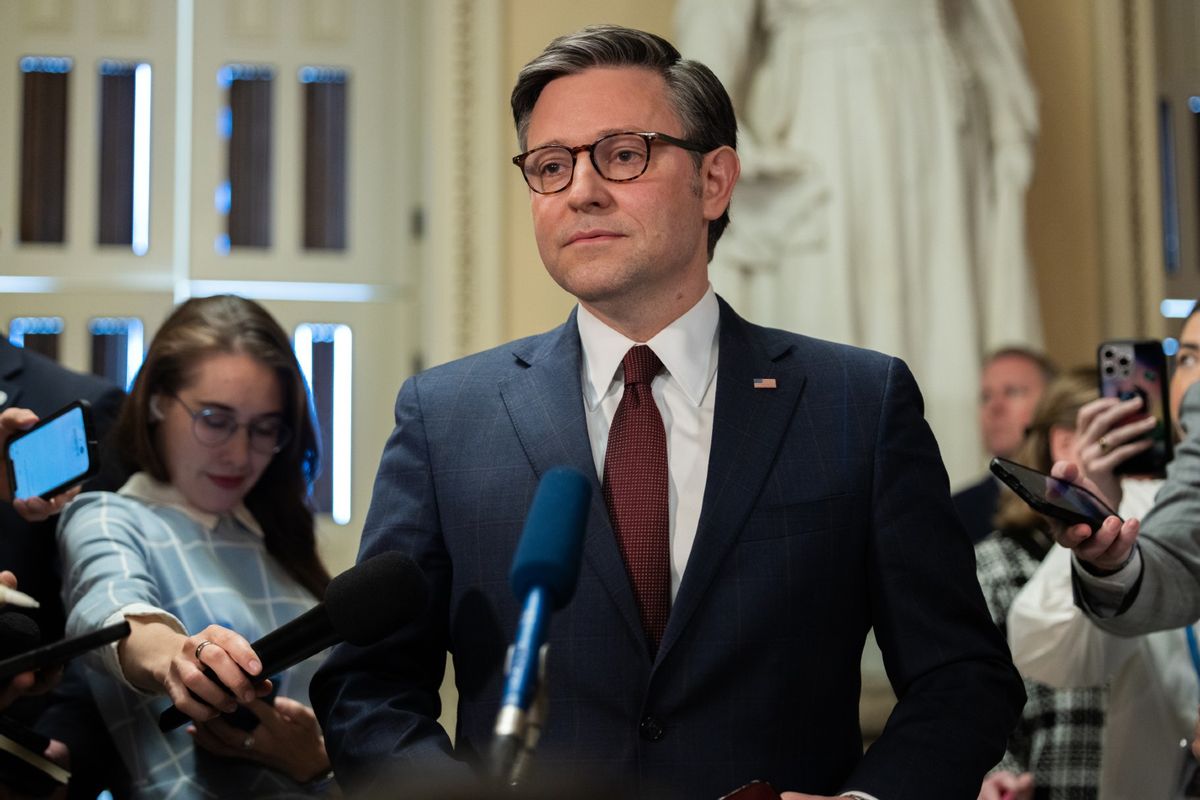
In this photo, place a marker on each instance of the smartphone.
(1053, 497)
(1139, 369)
(62, 651)
(54, 455)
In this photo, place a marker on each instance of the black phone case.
(1139, 367)
(1004, 470)
(89, 431)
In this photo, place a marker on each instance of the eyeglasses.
(214, 426)
(617, 157)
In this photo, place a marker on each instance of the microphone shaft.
(531, 632)
(520, 684)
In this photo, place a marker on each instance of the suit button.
(651, 729)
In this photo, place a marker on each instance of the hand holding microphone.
(362, 605)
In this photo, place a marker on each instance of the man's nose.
(588, 186)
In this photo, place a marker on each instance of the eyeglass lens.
(213, 427)
(620, 157)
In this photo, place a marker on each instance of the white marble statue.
(886, 149)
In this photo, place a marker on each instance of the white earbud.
(156, 414)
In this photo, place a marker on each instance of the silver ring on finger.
(248, 742)
(200, 648)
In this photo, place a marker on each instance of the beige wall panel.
(379, 48)
(151, 40)
(1062, 207)
(77, 308)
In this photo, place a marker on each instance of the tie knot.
(641, 365)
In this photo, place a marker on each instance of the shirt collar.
(687, 348)
(141, 486)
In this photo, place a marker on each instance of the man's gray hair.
(696, 95)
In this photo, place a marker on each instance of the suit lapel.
(545, 403)
(748, 428)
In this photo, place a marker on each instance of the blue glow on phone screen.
(51, 456)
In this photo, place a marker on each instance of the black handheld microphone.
(18, 634)
(544, 572)
(361, 606)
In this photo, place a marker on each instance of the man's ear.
(718, 175)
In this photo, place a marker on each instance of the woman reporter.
(210, 544)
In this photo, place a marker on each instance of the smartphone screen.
(52, 455)
(1052, 496)
(1139, 369)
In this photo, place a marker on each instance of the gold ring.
(1103, 444)
(248, 742)
(200, 647)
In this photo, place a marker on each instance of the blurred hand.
(1101, 443)
(33, 509)
(1003, 785)
(1107, 549)
(24, 683)
(1196, 740)
(57, 752)
(29, 683)
(287, 739)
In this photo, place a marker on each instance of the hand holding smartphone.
(54, 455)
(1053, 497)
(1139, 369)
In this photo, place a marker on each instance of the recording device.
(544, 572)
(362, 605)
(1053, 497)
(54, 455)
(1131, 369)
(62, 651)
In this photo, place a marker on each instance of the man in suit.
(803, 498)
(1010, 387)
(29, 550)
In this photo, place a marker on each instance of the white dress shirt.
(685, 393)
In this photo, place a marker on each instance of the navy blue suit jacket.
(826, 512)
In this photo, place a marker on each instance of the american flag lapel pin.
(764, 383)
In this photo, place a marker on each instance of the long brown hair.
(1060, 403)
(206, 326)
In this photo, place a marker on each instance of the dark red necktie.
(635, 490)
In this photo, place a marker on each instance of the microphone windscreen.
(375, 597)
(18, 634)
(552, 542)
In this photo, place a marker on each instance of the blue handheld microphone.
(544, 572)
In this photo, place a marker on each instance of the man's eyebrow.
(1189, 346)
(601, 135)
